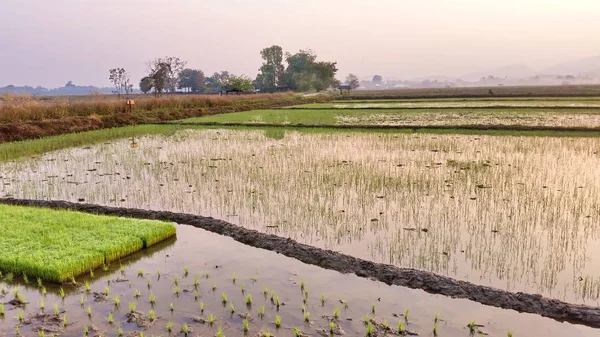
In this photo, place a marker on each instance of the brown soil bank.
(391, 275)
(52, 127)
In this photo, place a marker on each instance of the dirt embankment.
(53, 127)
(391, 275)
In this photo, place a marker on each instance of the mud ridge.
(491, 127)
(391, 275)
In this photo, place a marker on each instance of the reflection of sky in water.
(518, 213)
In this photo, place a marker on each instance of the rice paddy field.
(567, 112)
(203, 284)
(517, 213)
(56, 246)
(514, 212)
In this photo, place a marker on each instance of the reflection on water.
(518, 213)
(212, 260)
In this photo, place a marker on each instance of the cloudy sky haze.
(48, 43)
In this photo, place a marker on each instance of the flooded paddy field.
(201, 277)
(515, 213)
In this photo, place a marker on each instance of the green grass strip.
(55, 245)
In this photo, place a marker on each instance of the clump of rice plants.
(149, 284)
(265, 291)
(171, 307)
(370, 329)
(435, 329)
(472, 327)
(307, 317)
(336, 313)
(137, 294)
(277, 321)
(302, 285)
(64, 320)
(56, 310)
(261, 311)
(401, 328)
(25, 279)
(406, 312)
(41, 333)
(231, 308)
(42, 304)
(211, 319)
(277, 303)
(105, 292)
(196, 295)
(170, 326)
(176, 280)
(246, 325)
(323, 298)
(105, 267)
(332, 327)
(82, 300)
(224, 298)
(20, 314)
(248, 299)
(176, 291)
(214, 287)
(116, 300)
(435, 318)
(119, 332)
(140, 273)
(152, 299)
(297, 332)
(86, 330)
(61, 291)
(196, 281)
(17, 331)
(89, 311)
(110, 318)
(43, 291)
(509, 334)
(233, 278)
(185, 329)
(266, 334)
(1, 309)
(243, 288)
(132, 306)
(366, 320)
(185, 271)
(385, 325)
(201, 307)
(87, 286)
(151, 315)
(373, 309)
(220, 332)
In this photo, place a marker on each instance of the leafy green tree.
(240, 83)
(218, 80)
(192, 80)
(304, 73)
(272, 70)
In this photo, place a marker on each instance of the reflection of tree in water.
(512, 212)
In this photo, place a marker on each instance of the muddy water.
(203, 252)
(517, 213)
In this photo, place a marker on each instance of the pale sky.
(49, 42)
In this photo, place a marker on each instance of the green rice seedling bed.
(57, 245)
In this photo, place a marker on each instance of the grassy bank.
(55, 245)
(15, 150)
(87, 115)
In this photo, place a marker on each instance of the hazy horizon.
(51, 42)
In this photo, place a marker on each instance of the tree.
(239, 83)
(377, 79)
(272, 70)
(172, 67)
(192, 79)
(160, 73)
(218, 80)
(146, 84)
(304, 73)
(120, 79)
(352, 81)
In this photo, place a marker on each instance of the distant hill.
(68, 89)
(589, 66)
(510, 71)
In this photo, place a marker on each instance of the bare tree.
(120, 79)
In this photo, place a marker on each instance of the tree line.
(301, 71)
